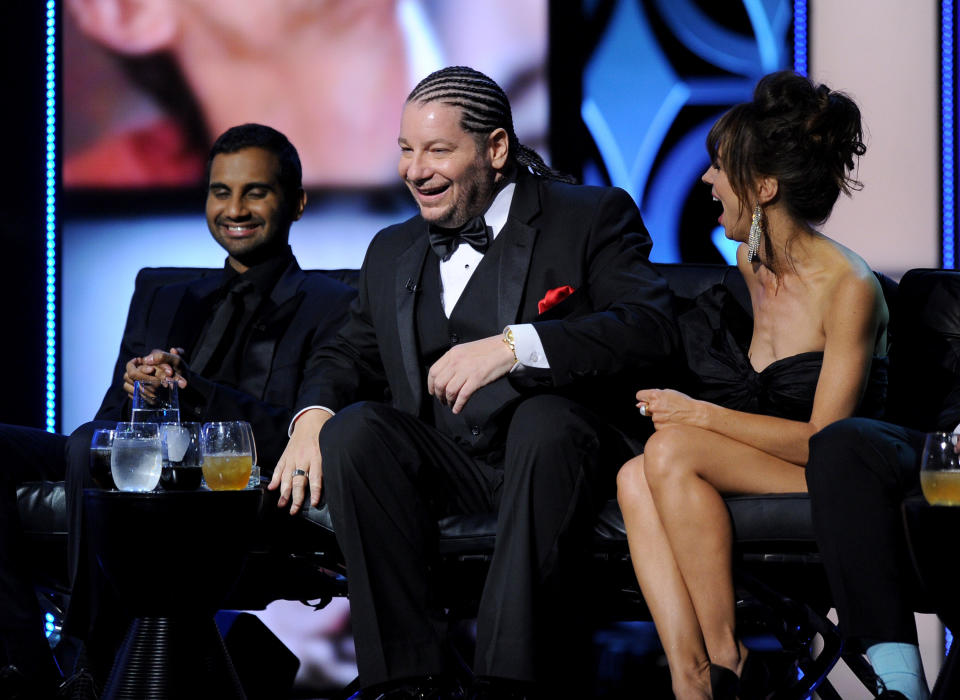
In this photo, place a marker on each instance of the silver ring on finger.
(643, 409)
(298, 472)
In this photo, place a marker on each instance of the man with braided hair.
(510, 321)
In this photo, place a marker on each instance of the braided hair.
(484, 107)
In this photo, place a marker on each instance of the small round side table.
(173, 557)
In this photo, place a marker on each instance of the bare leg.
(687, 470)
(662, 585)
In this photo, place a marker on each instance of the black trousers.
(388, 477)
(858, 475)
(28, 454)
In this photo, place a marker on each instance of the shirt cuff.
(529, 349)
(304, 410)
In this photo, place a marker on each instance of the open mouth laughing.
(430, 193)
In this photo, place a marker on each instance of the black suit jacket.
(168, 309)
(617, 323)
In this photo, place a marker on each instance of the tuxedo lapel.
(179, 312)
(519, 238)
(514, 265)
(409, 269)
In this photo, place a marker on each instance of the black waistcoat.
(474, 317)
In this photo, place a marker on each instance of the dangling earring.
(756, 232)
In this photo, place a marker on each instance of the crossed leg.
(680, 540)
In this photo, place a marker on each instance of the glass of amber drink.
(227, 455)
(940, 469)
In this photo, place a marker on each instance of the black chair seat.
(43, 509)
(43, 513)
(765, 522)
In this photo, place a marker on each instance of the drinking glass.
(227, 455)
(254, 481)
(135, 459)
(155, 402)
(180, 443)
(100, 448)
(940, 469)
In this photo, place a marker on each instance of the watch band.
(510, 342)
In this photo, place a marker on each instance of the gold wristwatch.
(510, 342)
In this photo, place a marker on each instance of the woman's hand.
(669, 407)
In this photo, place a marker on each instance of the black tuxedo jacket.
(169, 308)
(617, 323)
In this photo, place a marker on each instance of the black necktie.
(445, 241)
(229, 309)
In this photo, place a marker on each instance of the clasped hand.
(465, 368)
(669, 407)
(154, 367)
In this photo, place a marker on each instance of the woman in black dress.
(813, 354)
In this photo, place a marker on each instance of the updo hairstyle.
(807, 137)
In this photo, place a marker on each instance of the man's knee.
(843, 450)
(354, 437)
(549, 422)
(29, 454)
(350, 426)
(847, 453)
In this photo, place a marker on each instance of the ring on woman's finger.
(298, 472)
(643, 409)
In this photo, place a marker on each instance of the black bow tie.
(445, 241)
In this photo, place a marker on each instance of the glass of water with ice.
(135, 459)
(182, 459)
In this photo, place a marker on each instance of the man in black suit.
(236, 342)
(509, 320)
(859, 473)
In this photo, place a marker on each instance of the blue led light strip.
(947, 124)
(800, 47)
(51, 216)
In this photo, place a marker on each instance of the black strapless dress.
(716, 334)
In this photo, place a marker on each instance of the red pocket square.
(554, 297)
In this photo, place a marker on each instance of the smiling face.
(450, 178)
(246, 209)
(735, 218)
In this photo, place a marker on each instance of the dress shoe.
(755, 678)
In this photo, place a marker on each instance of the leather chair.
(782, 592)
